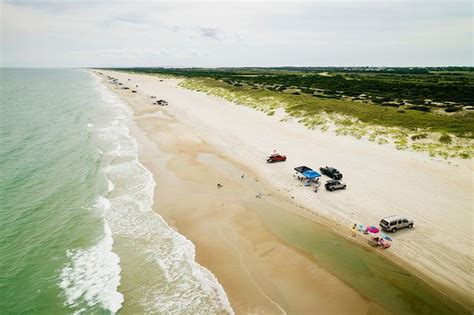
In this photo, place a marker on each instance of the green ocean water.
(49, 180)
(75, 203)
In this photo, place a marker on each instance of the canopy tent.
(311, 174)
(307, 172)
(302, 169)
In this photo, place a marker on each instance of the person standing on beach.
(354, 229)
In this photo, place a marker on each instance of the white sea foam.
(110, 186)
(177, 283)
(93, 275)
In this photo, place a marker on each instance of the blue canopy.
(310, 174)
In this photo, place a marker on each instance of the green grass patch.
(351, 118)
(297, 105)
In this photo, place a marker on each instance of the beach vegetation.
(445, 138)
(419, 136)
(399, 106)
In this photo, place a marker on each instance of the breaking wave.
(175, 282)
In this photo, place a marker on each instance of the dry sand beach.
(200, 140)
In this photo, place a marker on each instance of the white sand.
(381, 181)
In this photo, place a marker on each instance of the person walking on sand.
(219, 185)
(354, 229)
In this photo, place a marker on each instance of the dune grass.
(460, 125)
(381, 124)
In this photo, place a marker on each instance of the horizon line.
(235, 67)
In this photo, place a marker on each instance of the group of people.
(377, 241)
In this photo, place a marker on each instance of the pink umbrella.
(372, 229)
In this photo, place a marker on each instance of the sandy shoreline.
(192, 165)
(230, 239)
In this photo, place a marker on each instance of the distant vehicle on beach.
(395, 222)
(331, 172)
(334, 184)
(276, 158)
(161, 103)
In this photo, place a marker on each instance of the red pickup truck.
(276, 158)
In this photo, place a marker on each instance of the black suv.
(334, 184)
(331, 172)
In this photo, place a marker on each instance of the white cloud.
(138, 52)
(119, 33)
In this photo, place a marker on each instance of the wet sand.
(260, 273)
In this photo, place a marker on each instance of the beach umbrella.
(372, 229)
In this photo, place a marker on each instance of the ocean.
(77, 233)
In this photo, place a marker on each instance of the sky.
(246, 33)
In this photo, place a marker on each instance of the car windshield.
(384, 222)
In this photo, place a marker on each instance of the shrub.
(419, 136)
(420, 108)
(445, 139)
(390, 104)
(452, 109)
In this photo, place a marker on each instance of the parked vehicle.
(161, 103)
(334, 184)
(395, 222)
(331, 172)
(276, 158)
